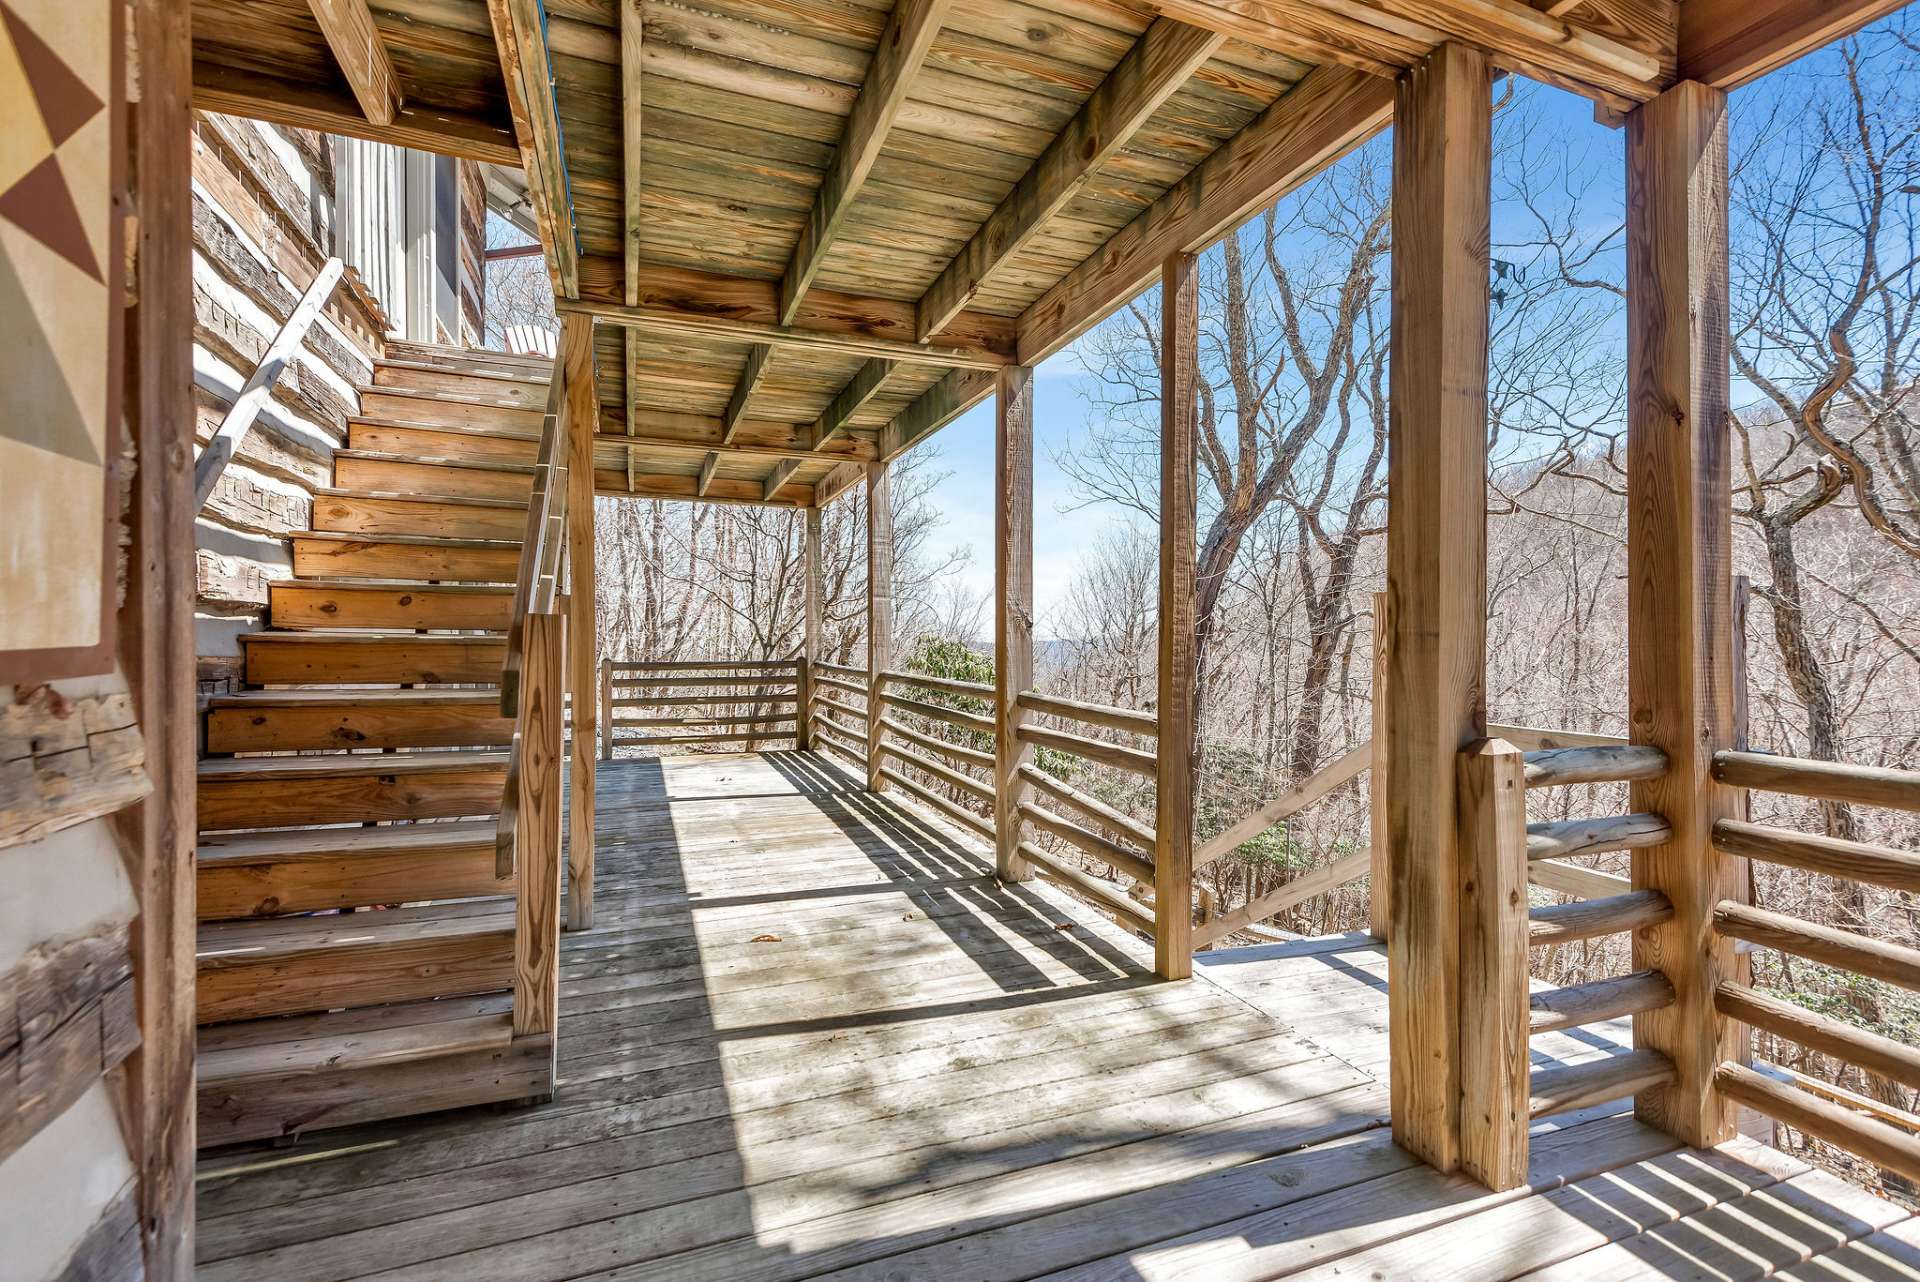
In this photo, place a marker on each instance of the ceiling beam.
(903, 47)
(1331, 111)
(1517, 36)
(946, 400)
(632, 52)
(520, 31)
(299, 105)
(1154, 69)
(837, 482)
(1726, 43)
(777, 480)
(732, 309)
(759, 356)
(721, 490)
(705, 479)
(762, 438)
(363, 60)
(864, 386)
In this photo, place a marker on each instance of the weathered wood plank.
(1012, 612)
(1176, 708)
(362, 58)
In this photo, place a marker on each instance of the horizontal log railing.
(1839, 1117)
(743, 702)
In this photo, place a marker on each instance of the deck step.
(330, 554)
(390, 473)
(291, 965)
(303, 870)
(494, 386)
(269, 1078)
(449, 441)
(433, 409)
(469, 358)
(374, 512)
(348, 658)
(299, 603)
(280, 792)
(301, 720)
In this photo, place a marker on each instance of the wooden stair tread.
(430, 367)
(430, 697)
(390, 585)
(449, 398)
(321, 636)
(320, 1051)
(451, 429)
(243, 1033)
(297, 843)
(388, 496)
(473, 465)
(347, 763)
(408, 540)
(250, 941)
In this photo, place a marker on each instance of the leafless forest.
(1826, 465)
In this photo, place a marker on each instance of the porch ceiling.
(812, 231)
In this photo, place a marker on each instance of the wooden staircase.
(357, 944)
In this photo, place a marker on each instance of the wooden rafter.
(759, 356)
(1726, 43)
(707, 467)
(837, 482)
(355, 41)
(903, 47)
(1385, 36)
(694, 304)
(863, 387)
(632, 50)
(1160, 62)
(777, 479)
(526, 63)
(299, 105)
(939, 404)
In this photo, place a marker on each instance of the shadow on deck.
(811, 1034)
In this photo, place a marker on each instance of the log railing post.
(1174, 775)
(1495, 1074)
(606, 709)
(879, 609)
(1436, 568)
(1679, 587)
(1012, 611)
(810, 638)
(537, 844)
(1379, 864)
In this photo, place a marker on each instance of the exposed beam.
(355, 41)
(304, 106)
(903, 46)
(1726, 43)
(707, 467)
(1515, 35)
(866, 384)
(660, 485)
(520, 32)
(946, 400)
(632, 51)
(777, 480)
(1327, 114)
(758, 358)
(662, 431)
(733, 309)
(1161, 61)
(630, 383)
(837, 482)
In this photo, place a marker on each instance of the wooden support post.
(583, 418)
(1436, 569)
(810, 639)
(1379, 862)
(1173, 805)
(606, 709)
(879, 608)
(156, 635)
(1495, 1073)
(536, 936)
(1679, 585)
(1012, 611)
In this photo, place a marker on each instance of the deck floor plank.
(811, 1036)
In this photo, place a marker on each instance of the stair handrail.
(224, 445)
(537, 582)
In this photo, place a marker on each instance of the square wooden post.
(1379, 863)
(810, 639)
(1495, 1073)
(1436, 568)
(1012, 610)
(583, 416)
(1173, 806)
(879, 608)
(1679, 584)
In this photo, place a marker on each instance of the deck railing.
(1874, 1131)
(686, 703)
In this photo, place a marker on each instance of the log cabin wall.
(263, 212)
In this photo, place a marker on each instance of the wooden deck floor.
(810, 1036)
